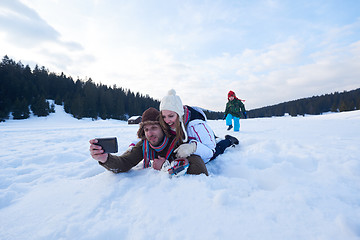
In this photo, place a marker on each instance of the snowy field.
(290, 178)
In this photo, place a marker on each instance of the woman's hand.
(185, 150)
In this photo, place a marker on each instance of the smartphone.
(109, 145)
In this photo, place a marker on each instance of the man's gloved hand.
(245, 114)
(185, 150)
(224, 116)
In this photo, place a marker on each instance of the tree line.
(334, 102)
(23, 89)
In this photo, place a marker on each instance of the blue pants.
(229, 119)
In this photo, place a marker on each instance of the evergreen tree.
(77, 107)
(40, 107)
(90, 93)
(21, 109)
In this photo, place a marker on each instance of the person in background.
(233, 110)
(155, 148)
(189, 126)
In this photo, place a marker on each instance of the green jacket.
(234, 108)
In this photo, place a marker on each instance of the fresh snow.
(289, 178)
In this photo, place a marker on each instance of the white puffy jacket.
(200, 132)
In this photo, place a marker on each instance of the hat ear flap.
(140, 132)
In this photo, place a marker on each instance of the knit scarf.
(186, 115)
(149, 150)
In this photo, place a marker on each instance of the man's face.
(154, 134)
(231, 98)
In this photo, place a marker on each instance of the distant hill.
(334, 102)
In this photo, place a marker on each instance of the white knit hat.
(172, 102)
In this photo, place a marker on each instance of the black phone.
(109, 145)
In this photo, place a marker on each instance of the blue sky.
(266, 51)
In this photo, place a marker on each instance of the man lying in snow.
(155, 148)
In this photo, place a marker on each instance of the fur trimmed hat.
(172, 102)
(150, 116)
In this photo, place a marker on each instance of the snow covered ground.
(290, 178)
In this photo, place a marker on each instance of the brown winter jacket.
(131, 158)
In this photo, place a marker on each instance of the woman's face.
(170, 118)
(231, 98)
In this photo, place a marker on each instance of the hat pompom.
(172, 92)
